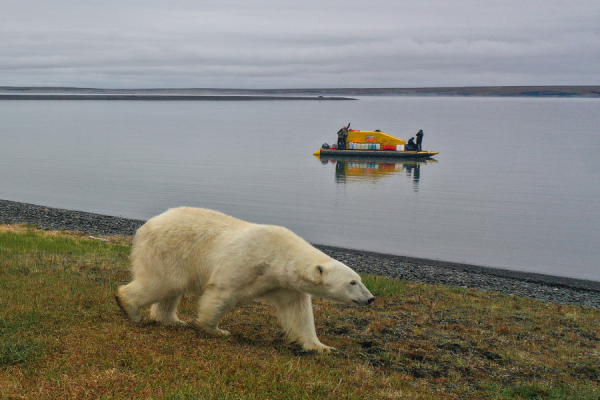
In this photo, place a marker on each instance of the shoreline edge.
(548, 288)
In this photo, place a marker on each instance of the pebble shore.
(545, 288)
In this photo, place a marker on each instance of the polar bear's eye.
(353, 283)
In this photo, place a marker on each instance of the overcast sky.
(299, 44)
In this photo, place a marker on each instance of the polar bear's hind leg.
(213, 304)
(165, 311)
(137, 294)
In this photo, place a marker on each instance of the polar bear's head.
(335, 281)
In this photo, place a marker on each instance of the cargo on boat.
(358, 143)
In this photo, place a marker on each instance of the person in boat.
(342, 136)
(419, 139)
(411, 146)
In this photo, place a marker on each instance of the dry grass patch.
(62, 337)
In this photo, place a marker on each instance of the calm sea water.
(515, 185)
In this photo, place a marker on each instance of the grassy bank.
(62, 336)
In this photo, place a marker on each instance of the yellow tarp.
(374, 137)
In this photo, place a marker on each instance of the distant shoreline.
(153, 97)
(587, 91)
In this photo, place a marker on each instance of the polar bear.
(227, 261)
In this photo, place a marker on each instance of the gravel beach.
(546, 288)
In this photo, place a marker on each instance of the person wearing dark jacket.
(411, 146)
(419, 139)
(342, 137)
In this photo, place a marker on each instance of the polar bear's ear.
(313, 273)
(316, 276)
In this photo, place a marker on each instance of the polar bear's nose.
(372, 299)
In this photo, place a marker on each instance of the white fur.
(228, 261)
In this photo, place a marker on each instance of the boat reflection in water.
(349, 170)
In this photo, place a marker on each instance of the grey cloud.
(316, 43)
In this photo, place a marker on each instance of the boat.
(372, 144)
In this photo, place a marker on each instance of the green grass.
(63, 337)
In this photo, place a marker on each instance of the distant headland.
(72, 93)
